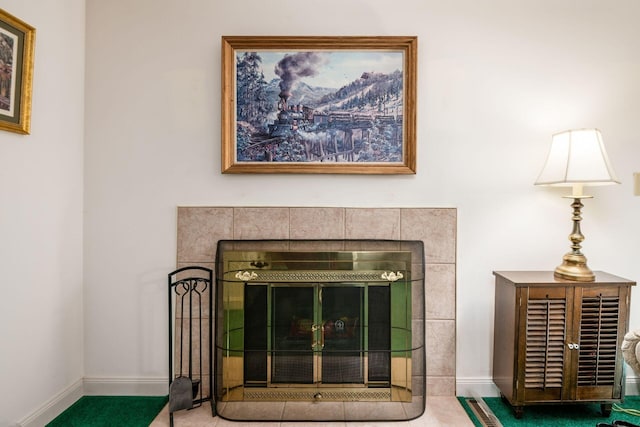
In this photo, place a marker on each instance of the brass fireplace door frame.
(244, 270)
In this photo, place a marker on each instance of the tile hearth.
(440, 411)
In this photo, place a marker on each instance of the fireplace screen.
(296, 324)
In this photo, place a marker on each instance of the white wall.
(41, 186)
(496, 79)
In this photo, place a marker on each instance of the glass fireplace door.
(317, 334)
(341, 335)
(306, 325)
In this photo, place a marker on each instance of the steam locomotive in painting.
(306, 134)
(300, 117)
(290, 119)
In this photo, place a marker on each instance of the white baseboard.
(632, 386)
(55, 406)
(95, 386)
(477, 387)
(482, 386)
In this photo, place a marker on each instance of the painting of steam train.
(300, 133)
(289, 108)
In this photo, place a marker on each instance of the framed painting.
(16, 73)
(319, 104)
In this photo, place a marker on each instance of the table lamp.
(576, 158)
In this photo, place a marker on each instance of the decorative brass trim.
(391, 276)
(319, 276)
(311, 394)
(245, 276)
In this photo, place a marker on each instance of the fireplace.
(200, 228)
(319, 326)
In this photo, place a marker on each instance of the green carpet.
(571, 415)
(110, 411)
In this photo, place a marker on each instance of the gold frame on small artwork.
(373, 136)
(17, 40)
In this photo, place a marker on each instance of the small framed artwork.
(319, 104)
(16, 73)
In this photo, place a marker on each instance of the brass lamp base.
(574, 263)
(574, 267)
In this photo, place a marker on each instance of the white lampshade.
(576, 158)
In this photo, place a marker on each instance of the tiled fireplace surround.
(200, 228)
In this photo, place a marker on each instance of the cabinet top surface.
(525, 278)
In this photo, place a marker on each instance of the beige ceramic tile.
(268, 411)
(257, 245)
(372, 223)
(330, 411)
(306, 424)
(317, 245)
(441, 299)
(226, 423)
(197, 417)
(199, 229)
(439, 412)
(261, 223)
(317, 223)
(194, 272)
(441, 386)
(441, 349)
(371, 245)
(436, 227)
(377, 424)
(443, 412)
(372, 411)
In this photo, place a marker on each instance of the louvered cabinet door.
(601, 319)
(546, 326)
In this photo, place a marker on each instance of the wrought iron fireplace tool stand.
(189, 292)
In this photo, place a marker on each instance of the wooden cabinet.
(558, 341)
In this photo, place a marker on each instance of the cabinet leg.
(606, 409)
(518, 411)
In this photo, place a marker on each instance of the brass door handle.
(316, 343)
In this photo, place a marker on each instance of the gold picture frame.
(17, 40)
(314, 104)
